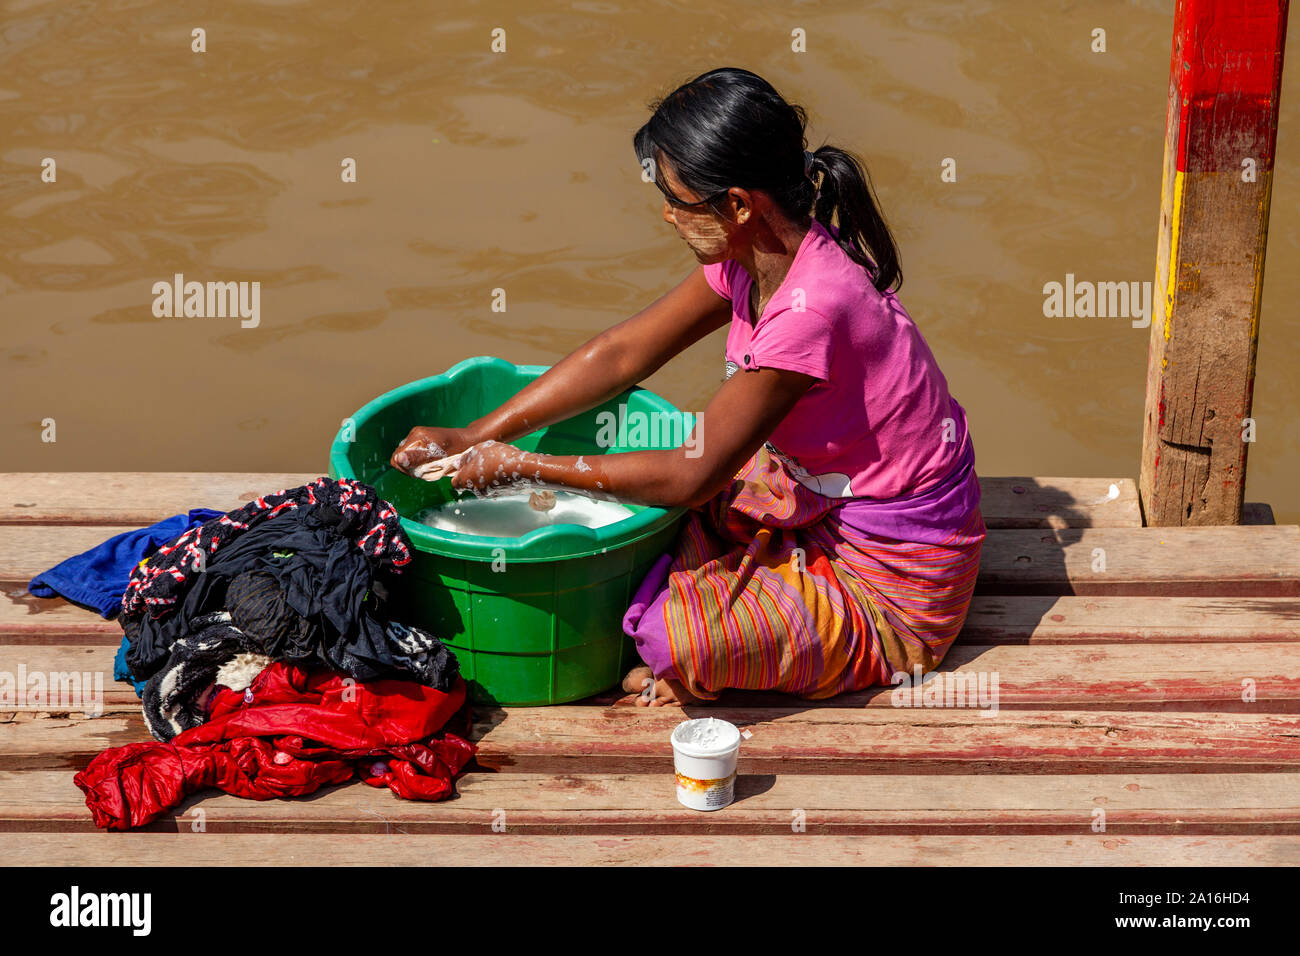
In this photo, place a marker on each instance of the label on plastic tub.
(705, 794)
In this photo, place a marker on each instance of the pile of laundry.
(267, 661)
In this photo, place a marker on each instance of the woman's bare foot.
(635, 679)
(666, 692)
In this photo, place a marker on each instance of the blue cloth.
(122, 672)
(98, 578)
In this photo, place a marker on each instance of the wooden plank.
(141, 498)
(636, 804)
(1110, 677)
(1048, 619)
(1024, 502)
(803, 740)
(27, 619)
(1198, 677)
(1168, 562)
(1171, 562)
(506, 849)
(62, 678)
(921, 741)
(136, 499)
(27, 550)
(993, 619)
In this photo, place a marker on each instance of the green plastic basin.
(535, 619)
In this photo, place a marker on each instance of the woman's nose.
(668, 214)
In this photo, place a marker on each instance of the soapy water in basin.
(510, 516)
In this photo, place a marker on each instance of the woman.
(834, 532)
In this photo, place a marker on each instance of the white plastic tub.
(705, 753)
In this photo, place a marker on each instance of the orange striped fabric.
(769, 589)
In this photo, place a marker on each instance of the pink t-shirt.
(880, 423)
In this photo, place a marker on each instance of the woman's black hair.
(729, 127)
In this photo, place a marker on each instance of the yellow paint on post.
(1174, 217)
(1265, 207)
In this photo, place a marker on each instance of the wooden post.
(1225, 76)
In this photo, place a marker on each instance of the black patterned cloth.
(361, 514)
(174, 699)
(303, 575)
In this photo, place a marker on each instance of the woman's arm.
(739, 418)
(611, 362)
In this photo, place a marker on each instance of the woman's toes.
(635, 679)
(663, 694)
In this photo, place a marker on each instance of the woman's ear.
(744, 201)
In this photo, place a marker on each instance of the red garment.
(290, 734)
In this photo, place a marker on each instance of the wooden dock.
(1148, 713)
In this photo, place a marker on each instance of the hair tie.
(808, 159)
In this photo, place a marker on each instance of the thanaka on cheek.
(704, 234)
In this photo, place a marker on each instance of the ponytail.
(846, 192)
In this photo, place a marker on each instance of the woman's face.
(707, 233)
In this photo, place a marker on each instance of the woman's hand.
(426, 443)
(492, 467)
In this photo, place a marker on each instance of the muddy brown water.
(478, 171)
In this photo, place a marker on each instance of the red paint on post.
(1227, 68)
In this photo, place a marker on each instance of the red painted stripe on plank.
(1226, 75)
